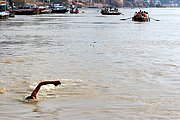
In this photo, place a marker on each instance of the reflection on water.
(109, 69)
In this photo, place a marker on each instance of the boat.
(141, 16)
(74, 9)
(4, 13)
(59, 8)
(44, 10)
(27, 10)
(110, 11)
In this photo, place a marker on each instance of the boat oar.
(126, 18)
(154, 19)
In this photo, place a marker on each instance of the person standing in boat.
(72, 6)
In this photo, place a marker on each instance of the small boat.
(141, 19)
(59, 8)
(44, 10)
(141, 16)
(27, 10)
(74, 9)
(4, 13)
(110, 11)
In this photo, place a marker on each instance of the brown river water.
(110, 69)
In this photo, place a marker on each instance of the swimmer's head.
(29, 97)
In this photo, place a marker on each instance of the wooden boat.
(110, 11)
(59, 8)
(44, 10)
(74, 9)
(141, 16)
(27, 10)
(4, 13)
(141, 19)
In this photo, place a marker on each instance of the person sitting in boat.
(139, 14)
(140, 11)
(144, 14)
(72, 6)
(135, 14)
(115, 9)
(36, 90)
(110, 8)
(106, 10)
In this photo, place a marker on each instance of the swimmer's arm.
(36, 90)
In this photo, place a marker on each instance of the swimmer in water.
(36, 90)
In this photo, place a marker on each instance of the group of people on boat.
(141, 14)
(110, 10)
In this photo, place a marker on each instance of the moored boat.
(4, 13)
(59, 8)
(141, 16)
(44, 10)
(27, 10)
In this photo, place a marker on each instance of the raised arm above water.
(36, 90)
